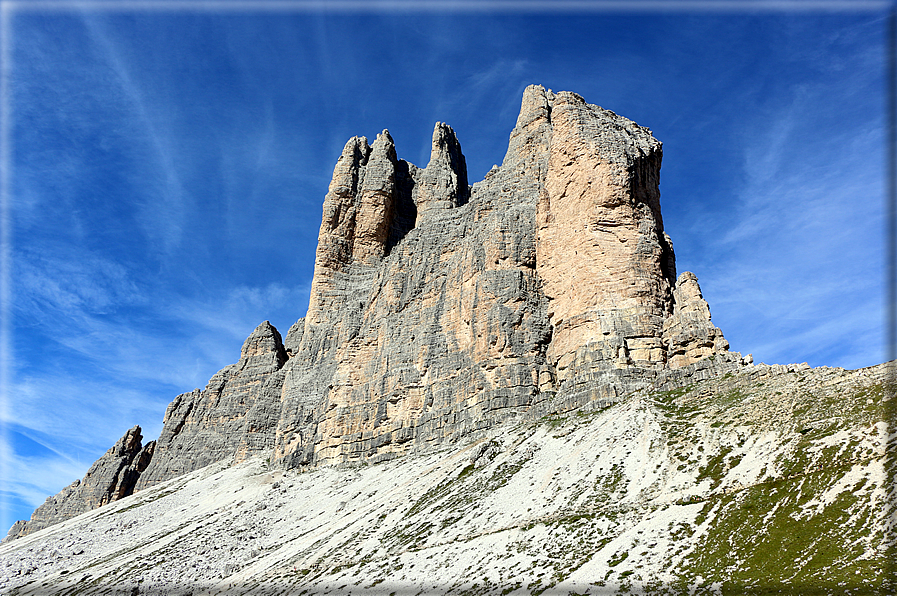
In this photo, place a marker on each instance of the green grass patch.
(762, 537)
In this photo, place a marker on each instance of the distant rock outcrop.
(439, 309)
(233, 417)
(689, 335)
(110, 478)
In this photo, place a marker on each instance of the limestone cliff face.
(773, 476)
(540, 288)
(546, 288)
(439, 309)
(110, 478)
(688, 334)
(233, 417)
(606, 264)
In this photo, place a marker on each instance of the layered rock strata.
(110, 478)
(233, 417)
(439, 309)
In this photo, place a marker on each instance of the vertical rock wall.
(421, 344)
(540, 288)
(604, 259)
(600, 247)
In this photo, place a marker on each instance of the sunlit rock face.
(439, 309)
(688, 334)
(606, 264)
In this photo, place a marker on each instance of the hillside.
(767, 481)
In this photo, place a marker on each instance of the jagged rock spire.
(232, 418)
(443, 183)
(375, 203)
(358, 214)
(530, 141)
(689, 334)
(264, 340)
(110, 478)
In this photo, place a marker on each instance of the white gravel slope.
(628, 498)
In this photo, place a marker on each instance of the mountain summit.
(442, 314)
(439, 309)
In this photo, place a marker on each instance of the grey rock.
(689, 334)
(443, 183)
(472, 315)
(113, 476)
(232, 418)
(438, 310)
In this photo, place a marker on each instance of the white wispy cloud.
(60, 408)
(29, 480)
(163, 215)
(799, 276)
(54, 280)
(182, 339)
(236, 312)
(859, 348)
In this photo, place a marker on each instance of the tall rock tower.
(439, 309)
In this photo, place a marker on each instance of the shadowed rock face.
(439, 309)
(443, 183)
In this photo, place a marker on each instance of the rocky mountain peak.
(535, 108)
(443, 183)
(375, 202)
(550, 408)
(130, 443)
(439, 310)
(264, 340)
(530, 140)
(689, 334)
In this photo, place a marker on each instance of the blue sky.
(165, 167)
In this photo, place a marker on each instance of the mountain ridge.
(438, 308)
(444, 314)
